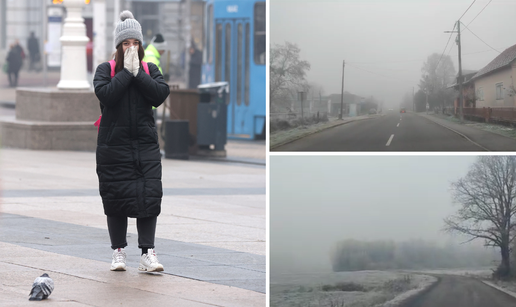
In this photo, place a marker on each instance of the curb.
(455, 131)
(499, 288)
(229, 159)
(411, 299)
(8, 104)
(232, 159)
(271, 147)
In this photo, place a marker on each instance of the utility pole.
(320, 100)
(312, 103)
(461, 102)
(427, 101)
(461, 99)
(342, 92)
(301, 95)
(413, 101)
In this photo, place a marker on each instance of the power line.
(445, 46)
(467, 9)
(383, 62)
(480, 39)
(480, 12)
(451, 47)
(452, 34)
(479, 52)
(390, 78)
(378, 68)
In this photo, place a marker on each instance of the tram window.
(209, 35)
(259, 33)
(227, 60)
(218, 53)
(239, 66)
(247, 60)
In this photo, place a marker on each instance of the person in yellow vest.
(153, 54)
(154, 51)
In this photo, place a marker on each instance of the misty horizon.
(385, 43)
(317, 201)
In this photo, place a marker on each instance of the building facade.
(179, 21)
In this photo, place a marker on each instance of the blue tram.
(234, 51)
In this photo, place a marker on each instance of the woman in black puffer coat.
(128, 154)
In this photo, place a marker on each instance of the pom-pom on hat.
(128, 27)
(159, 42)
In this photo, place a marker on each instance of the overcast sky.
(316, 201)
(390, 38)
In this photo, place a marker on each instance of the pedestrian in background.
(153, 54)
(155, 50)
(33, 46)
(194, 74)
(128, 154)
(15, 60)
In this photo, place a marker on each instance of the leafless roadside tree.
(486, 196)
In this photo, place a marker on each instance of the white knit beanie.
(128, 27)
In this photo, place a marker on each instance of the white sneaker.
(118, 263)
(149, 262)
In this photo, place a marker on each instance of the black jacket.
(128, 155)
(14, 57)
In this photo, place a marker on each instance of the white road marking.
(390, 140)
(398, 125)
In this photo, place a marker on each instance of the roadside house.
(468, 90)
(334, 102)
(494, 84)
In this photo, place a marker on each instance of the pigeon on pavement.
(41, 288)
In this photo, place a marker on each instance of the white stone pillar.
(99, 33)
(73, 62)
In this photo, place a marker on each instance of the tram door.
(232, 58)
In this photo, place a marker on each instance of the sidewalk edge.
(455, 131)
(513, 294)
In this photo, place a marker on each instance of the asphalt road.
(390, 132)
(457, 291)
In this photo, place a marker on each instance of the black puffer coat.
(128, 156)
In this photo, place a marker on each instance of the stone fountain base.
(52, 119)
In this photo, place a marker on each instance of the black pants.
(32, 60)
(13, 78)
(117, 227)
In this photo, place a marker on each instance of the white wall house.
(494, 84)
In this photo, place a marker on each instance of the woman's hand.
(128, 61)
(135, 61)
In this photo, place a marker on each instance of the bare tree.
(287, 71)
(437, 74)
(487, 199)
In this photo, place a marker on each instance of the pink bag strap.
(113, 63)
(146, 67)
